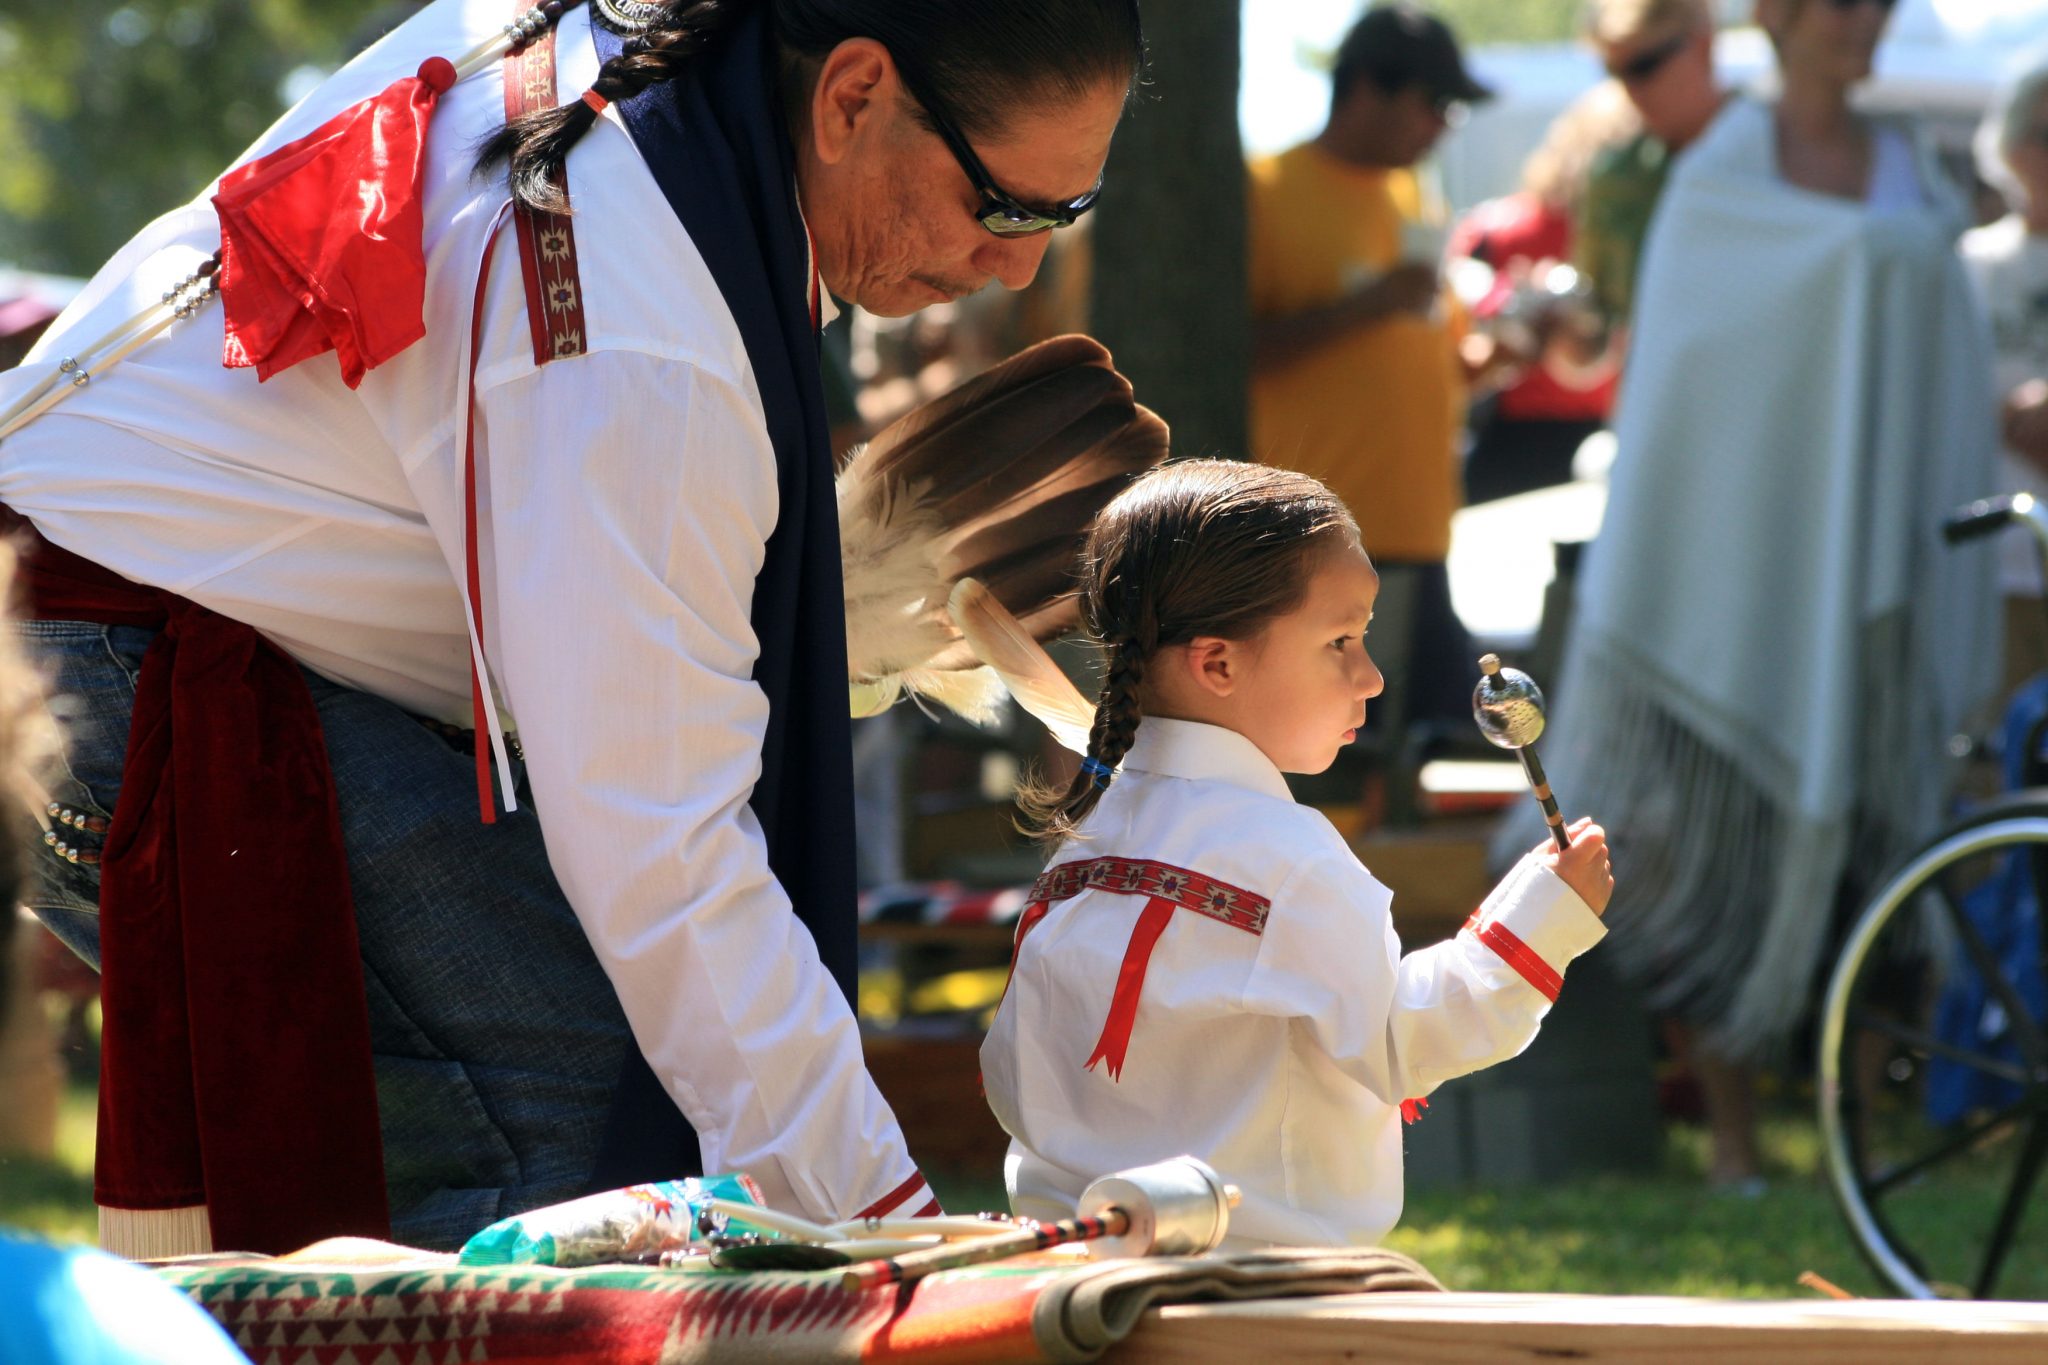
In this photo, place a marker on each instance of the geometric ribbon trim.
(1220, 901)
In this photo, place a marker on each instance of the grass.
(1659, 1234)
(1654, 1234)
(54, 1196)
(1668, 1234)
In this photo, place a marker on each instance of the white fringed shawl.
(1771, 642)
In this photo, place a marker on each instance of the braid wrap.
(535, 146)
(1051, 815)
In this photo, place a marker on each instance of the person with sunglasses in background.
(1357, 375)
(1661, 54)
(1771, 645)
(592, 499)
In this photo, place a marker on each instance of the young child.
(1205, 967)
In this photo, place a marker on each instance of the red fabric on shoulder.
(320, 239)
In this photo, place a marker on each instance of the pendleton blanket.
(354, 1302)
(1771, 643)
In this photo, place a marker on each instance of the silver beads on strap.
(190, 294)
(533, 23)
(83, 821)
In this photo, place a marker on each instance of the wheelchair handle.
(1982, 517)
(1987, 515)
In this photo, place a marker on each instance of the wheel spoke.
(1921, 1041)
(2026, 1031)
(1955, 1142)
(2024, 1175)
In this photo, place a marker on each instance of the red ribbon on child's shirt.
(1130, 981)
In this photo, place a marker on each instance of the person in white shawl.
(1771, 643)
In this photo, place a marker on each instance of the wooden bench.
(1454, 1329)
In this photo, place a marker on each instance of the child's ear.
(1214, 665)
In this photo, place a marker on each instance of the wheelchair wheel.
(1935, 1146)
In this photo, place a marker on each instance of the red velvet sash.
(236, 1065)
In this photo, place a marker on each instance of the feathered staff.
(996, 481)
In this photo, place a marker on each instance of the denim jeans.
(497, 1037)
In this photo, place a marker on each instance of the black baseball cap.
(1396, 46)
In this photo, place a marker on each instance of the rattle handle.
(1533, 768)
(917, 1264)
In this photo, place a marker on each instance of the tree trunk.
(1168, 293)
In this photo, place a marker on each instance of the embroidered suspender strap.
(547, 243)
(1166, 888)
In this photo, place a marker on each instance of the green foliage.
(114, 114)
(1510, 21)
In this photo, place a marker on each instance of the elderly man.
(593, 502)
(1661, 52)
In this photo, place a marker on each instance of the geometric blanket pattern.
(543, 1316)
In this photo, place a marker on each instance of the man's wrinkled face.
(893, 212)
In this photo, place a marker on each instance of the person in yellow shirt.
(1357, 376)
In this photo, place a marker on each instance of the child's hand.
(1584, 866)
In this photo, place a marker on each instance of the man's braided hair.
(977, 61)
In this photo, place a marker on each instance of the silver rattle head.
(1507, 705)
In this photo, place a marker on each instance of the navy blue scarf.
(717, 143)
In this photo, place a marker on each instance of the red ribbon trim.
(1168, 888)
(1130, 983)
(898, 1197)
(480, 718)
(1519, 955)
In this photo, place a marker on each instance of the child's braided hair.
(1194, 548)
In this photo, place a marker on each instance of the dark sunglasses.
(1000, 212)
(1644, 65)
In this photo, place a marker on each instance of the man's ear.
(856, 84)
(1214, 664)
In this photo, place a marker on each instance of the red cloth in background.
(1521, 229)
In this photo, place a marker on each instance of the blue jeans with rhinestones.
(498, 1039)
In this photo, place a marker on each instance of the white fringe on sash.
(1724, 892)
(155, 1234)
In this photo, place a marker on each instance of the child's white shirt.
(1277, 1028)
